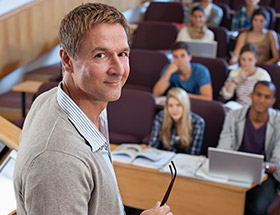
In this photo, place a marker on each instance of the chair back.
(226, 20)
(218, 72)
(272, 14)
(222, 37)
(145, 68)
(154, 36)
(165, 12)
(213, 113)
(130, 119)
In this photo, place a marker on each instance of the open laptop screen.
(203, 49)
(234, 165)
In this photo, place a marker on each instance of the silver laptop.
(236, 166)
(203, 49)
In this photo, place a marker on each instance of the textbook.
(148, 157)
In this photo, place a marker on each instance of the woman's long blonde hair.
(185, 122)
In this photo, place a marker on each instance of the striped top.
(244, 88)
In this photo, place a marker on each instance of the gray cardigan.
(233, 129)
(56, 172)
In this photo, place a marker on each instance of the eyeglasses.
(173, 176)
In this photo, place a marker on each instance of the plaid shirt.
(198, 126)
(242, 20)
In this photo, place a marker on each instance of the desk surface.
(142, 188)
(27, 86)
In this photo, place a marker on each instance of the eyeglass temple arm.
(173, 176)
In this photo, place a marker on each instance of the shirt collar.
(82, 123)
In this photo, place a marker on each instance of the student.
(266, 41)
(192, 77)
(242, 19)
(213, 13)
(255, 129)
(64, 164)
(196, 29)
(176, 128)
(241, 81)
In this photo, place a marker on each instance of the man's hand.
(157, 210)
(172, 68)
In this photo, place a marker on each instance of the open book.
(148, 157)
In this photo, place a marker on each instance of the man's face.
(181, 58)
(102, 65)
(262, 98)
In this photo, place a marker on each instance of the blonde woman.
(176, 128)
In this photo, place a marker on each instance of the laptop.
(236, 166)
(203, 49)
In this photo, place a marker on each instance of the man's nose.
(116, 66)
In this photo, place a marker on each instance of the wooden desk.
(26, 87)
(142, 187)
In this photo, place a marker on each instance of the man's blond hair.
(80, 20)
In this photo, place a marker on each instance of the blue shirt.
(199, 77)
(242, 20)
(198, 125)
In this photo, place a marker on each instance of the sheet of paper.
(186, 165)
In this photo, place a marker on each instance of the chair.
(45, 74)
(276, 5)
(43, 88)
(272, 14)
(227, 2)
(213, 113)
(154, 35)
(130, 119)
(222, 37)
(274, 72)
(226, 20)
(145, 68)
(218, 72)
(165, 12)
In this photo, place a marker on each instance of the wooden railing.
(31, 30)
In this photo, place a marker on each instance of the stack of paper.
(186, 165)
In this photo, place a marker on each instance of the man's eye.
(100, 55)
(123, 54)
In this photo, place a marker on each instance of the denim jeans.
(259, 198)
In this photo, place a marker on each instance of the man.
(242, 19)
(255, 129)
(192, 77)
(213, 13)
(63, 164)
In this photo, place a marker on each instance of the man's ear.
(66, 60)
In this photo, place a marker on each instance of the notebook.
(203, 49)
(236, 166)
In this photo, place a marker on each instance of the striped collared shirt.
(97, 139)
